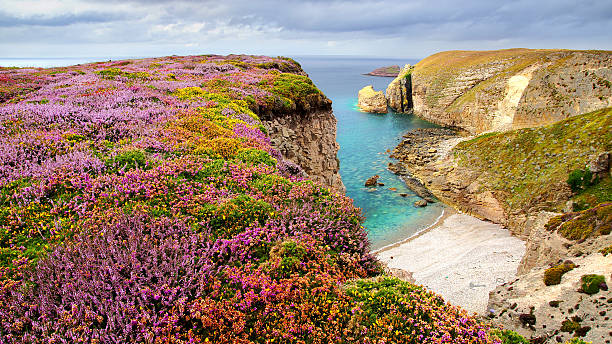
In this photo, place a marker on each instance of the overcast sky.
(386, 28)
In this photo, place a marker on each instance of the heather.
(142, 201)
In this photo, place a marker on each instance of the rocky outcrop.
(399, 91)
(389, 71)
(371, 100)
(310, 142)
(556, 313)
(306, 136)
(507, 89)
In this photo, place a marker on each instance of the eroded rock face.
(372, 101)
(508, 89)
(399, 91)
(551, 306)
(308, 139)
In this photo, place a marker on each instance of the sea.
(365, 139)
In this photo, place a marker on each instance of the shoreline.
(446, 212)
(459, 257)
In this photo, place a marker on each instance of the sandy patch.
(462, 259)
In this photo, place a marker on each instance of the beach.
(461, 258)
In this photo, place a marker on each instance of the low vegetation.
(552, 276)
(142, 201)
(531, 167)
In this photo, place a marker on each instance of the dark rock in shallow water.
(420, 203)
(372, 181)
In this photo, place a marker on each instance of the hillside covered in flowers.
(142, 201)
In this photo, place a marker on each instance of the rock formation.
(399, 91)
(371, 100)
(507, 89)
(307, 137)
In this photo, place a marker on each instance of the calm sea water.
(364, 140)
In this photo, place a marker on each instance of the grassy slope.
(442, 68)
(529, 165)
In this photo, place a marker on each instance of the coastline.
(459, 257)
(446, 212)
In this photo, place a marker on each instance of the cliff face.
(508, 89)
(308, 139)
(399, 91)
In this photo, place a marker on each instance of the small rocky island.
(388, 71)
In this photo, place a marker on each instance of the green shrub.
(232, 217)
(577, 341)
(570, 325)
(591, 283)
(271, 184)
(580, 179)
(508, 337)
(127, 160)
(606, 250)
(553, 275)
(255, 156)
(291, 254)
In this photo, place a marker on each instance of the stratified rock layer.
(508, 89)
(371, 100)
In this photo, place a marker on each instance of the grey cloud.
(7, 20)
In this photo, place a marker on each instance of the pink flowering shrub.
(142, 201)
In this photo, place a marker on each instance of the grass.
(581, 225)
(529, 166)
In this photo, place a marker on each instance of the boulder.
(601, 163)
(372, 181)
(371, 100)
(420, 203)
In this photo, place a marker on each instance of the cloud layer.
(409, 29)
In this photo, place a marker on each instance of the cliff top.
(442, 69)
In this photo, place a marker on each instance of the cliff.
(308, 139)
(399, 91)
(482, 91)
(509, 178)
(551, 186)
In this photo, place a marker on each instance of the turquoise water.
(364, 140)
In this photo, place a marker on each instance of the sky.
(410, 29)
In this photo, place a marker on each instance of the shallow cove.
(364, 140)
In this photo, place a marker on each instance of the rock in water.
(372, 180)
(371, 100)
(420, 203)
